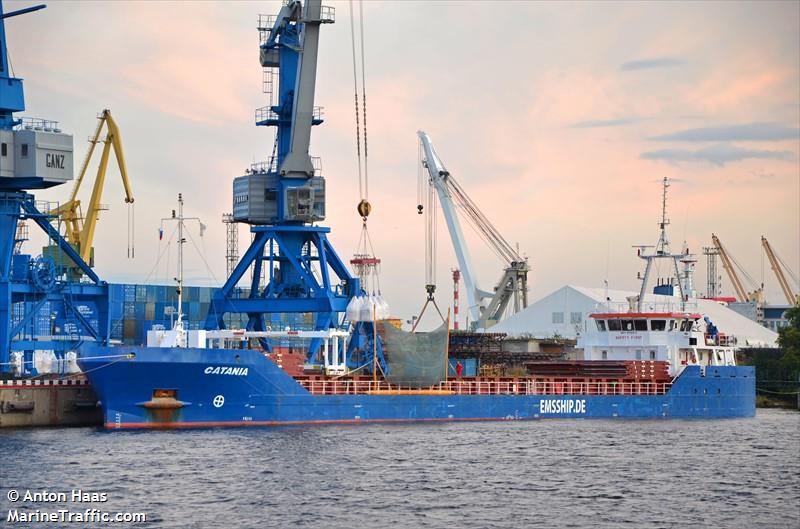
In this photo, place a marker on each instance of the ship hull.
(218, 387)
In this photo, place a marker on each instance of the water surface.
(552, 473)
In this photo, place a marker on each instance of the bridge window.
(658, 325)
(672, 325)
(627, 325)
(640, 325)
(601, 325)
(614, 325)
(686, 325)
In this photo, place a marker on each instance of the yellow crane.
(775, 263)
(728, 263)
(80, 229)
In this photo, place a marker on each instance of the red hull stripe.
(218, 424)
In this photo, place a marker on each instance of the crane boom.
(298, 162)
(79, 229)
(773, 261)
(513, 284)
(438, 176)
(727, 263)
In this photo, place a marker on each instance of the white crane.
(484, 308)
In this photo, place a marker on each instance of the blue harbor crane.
(41, 308)
(294, 266)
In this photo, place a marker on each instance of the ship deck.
(318, 385)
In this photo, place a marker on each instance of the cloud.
(646, 64)
(719, 154)
(758, 131)
(597, 123)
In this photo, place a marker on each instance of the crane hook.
(364, 208)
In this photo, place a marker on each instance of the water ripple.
(604, 474)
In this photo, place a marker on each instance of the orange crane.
(728, 263)
(80, 228)
(775, 263)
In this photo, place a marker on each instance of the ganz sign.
(55, 161)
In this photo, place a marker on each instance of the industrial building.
(564, 314)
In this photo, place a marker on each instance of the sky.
(559, 120)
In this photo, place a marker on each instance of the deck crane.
(79, 228)
(728, 262)
(511, 292)
(775, 262)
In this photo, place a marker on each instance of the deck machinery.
(35, 154)
(294, 267)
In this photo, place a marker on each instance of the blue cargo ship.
(152, 387)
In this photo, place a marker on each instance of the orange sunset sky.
(559, 119)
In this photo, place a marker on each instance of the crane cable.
(786, 268)
(355, 94)
(131, 224)
(431, 230)
(364, 97)
(364, 207)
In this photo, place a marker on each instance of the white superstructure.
(679, 338)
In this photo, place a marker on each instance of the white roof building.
(565, 312)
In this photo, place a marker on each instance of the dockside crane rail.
(484, 308)
(778, 266)
(730, 265)
(80, 229)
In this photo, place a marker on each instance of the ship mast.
(181, 240)
(178, 326)
(662, 251)
(662, 247)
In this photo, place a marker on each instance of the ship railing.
(267, 166)
(623, 307)
(489, 387)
